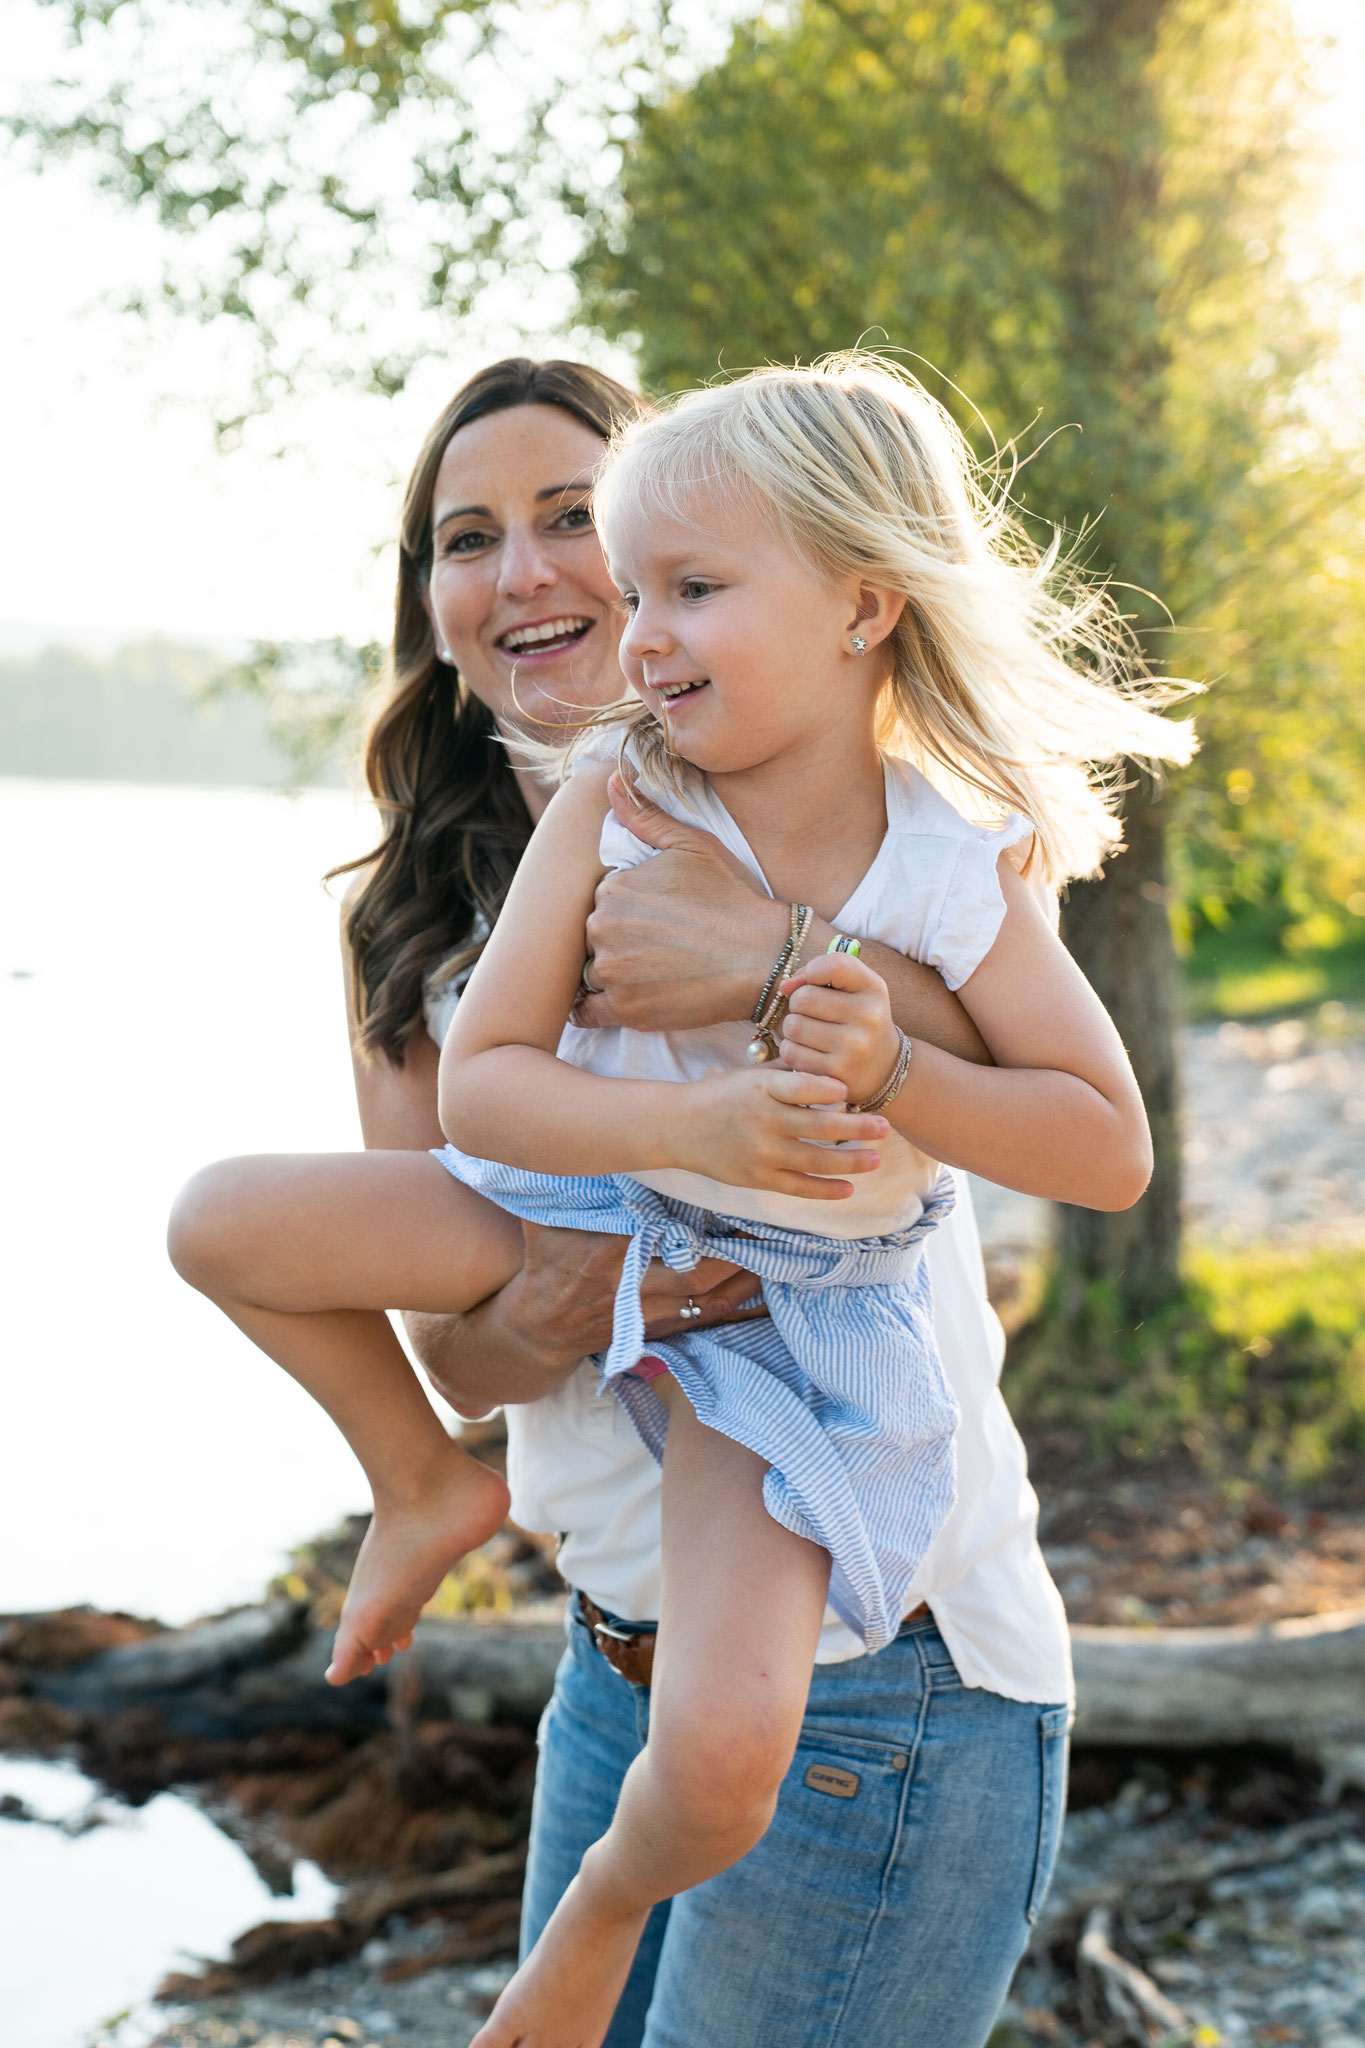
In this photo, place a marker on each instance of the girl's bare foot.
(566, 1991)
(408, 1550)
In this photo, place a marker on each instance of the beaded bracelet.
(771, 1008)
(890, 1088)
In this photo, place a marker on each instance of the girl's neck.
(814, 817)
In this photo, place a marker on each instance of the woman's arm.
(689, 937)
(1058, 1115)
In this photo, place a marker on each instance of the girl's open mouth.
(676, 695)
(545, 636)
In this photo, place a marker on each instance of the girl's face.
(520, 593)
(738, 644)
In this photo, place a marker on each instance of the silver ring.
(589, 987)
(690, 1310)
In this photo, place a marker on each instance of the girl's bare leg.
(739, 1626)
(305, 1254)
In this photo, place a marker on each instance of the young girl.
(817, 599)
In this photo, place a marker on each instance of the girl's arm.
(504, 1095)
(1059, 1114)
(525, 1340)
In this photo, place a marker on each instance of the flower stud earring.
(859, 644)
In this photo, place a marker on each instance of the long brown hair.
(455, 824)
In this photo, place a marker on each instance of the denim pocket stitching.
(1053, 1744)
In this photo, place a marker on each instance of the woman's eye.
(467, 543)
(576, 518)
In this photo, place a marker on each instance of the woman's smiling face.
(520, 594)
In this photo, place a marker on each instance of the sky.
(120, 517)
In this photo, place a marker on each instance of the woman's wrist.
(757, 949)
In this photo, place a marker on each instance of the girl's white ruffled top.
(575, 1462)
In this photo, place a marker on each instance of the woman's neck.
(536, 791)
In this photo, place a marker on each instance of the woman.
(891, 1897)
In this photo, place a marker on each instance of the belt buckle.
(628, 1652)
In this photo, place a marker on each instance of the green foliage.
(1258, 1371)
(313, 693)
(343, 181)
(1096, 242)
(1242, 967)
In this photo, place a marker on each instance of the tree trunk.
(1118, 930)
(1115, 378)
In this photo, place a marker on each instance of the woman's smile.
(541, 640)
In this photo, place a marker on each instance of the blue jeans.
(890, 1900)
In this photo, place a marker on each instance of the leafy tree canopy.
(1090, 219)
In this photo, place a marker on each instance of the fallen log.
(1298, 1685)
(262, 1668)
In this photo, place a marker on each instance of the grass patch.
(1246, 970)
(1258, 1370)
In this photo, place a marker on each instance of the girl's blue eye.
(630, 601)
(696, 587)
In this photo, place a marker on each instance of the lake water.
(169, 992)
(100, 1902)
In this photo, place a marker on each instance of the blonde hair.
(1015, 683)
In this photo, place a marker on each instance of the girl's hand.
(764, 1127)
(838, 1023)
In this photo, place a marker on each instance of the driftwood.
(1119, 2001)
(1298, 1685)
(263, 1668)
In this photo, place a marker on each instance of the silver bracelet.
(891, 1088)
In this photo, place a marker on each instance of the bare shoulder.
(572, 825)
(584, 795)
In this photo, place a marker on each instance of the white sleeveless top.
(575, 1463)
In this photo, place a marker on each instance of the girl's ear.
(876, 610)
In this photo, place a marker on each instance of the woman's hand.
(524, 1342)
(560, 1304)
(838, 1022)
(687, 938)
(766, 1127)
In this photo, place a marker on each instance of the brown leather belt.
(631, 1652)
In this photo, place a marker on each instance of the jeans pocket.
(1054, 1724)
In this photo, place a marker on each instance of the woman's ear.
(876, 610)
(442, 651)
